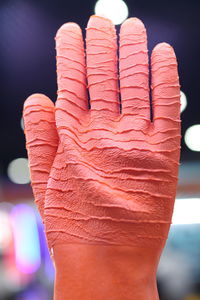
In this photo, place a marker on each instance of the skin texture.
(105, 178)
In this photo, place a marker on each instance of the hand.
(110, 178)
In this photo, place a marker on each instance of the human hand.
(110, 178)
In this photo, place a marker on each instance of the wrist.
(110, 272)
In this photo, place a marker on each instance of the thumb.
(41, 143)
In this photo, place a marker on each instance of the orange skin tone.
(105, 180)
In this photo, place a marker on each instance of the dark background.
(27, 56)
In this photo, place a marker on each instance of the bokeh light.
(26, 239)
(18, 171)
(186, 211)
(192, 137)
(115, 10)
(183, 101)
(5, 232)
(22, 124)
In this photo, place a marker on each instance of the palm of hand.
(114, 176)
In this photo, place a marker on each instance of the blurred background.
(27, 65)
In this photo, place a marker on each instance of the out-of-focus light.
(5, 230)
(192, 137)
(186, 211)
(26, 239)
(18, 171)
(22, 124)
(45, 255)
(183, 101)
(115, 10)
